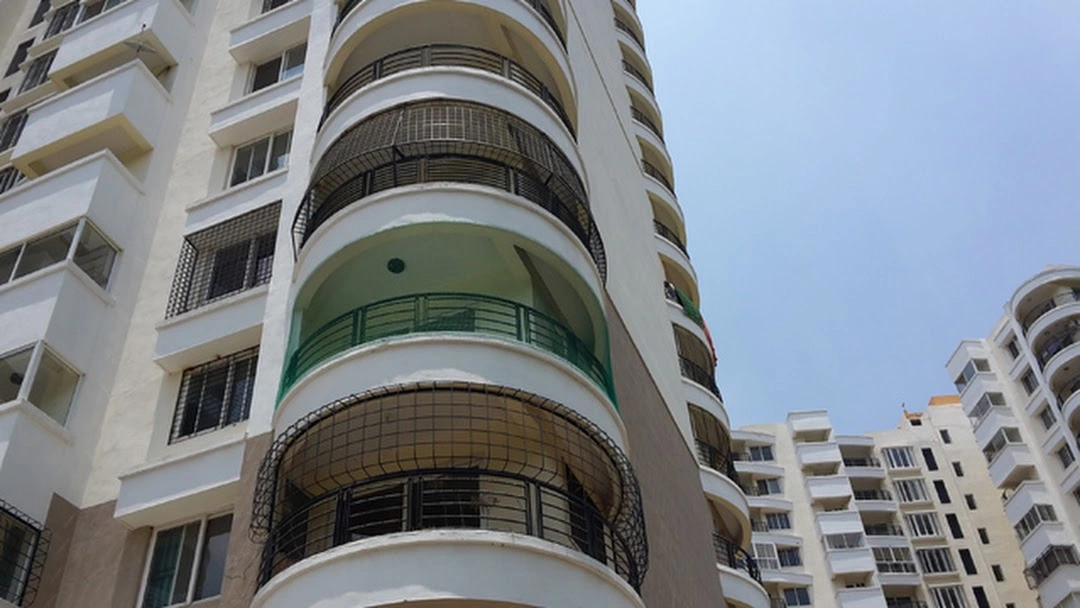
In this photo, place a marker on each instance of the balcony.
(859, 560)
(1059, 347)
(1070, 408)
(118, 111)
(810, 425)
(643, 119)
(817, 454)
(1011, 464)
(1065, 298)
(159, 29)
(651, 171)
(832, 489)
(874, 501)
(883, 529)
(274, 30)
(740, 576)
(670, 236)
(451, 313)
(391, 463)
(860, 597)
(1055, 573)
(637, 76)
(447, 141)
(1046, 534)
(868, 467)
(256, 114)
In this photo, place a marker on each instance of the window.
(945, 437)
(11, 129)
(769, 486)
(80, 242)
(9, 178)
(62, 20)
(1051, 559)
(263, 156)
(1046, 415)
(935, 561)
(970, 500)
(951, 596)
(38, 72)
(975, 366)
(225, 259)
(778, 521)
(980, 597)
(923, 524)
(1065, 456)
(284, 66)
(5, 94)
(983, 405)
(1029, 382)
(39, 13)
(789, 557)
(954, 525)
(1014, 350)
(915, 421)
(1002, 438)
(899, 458)
(984, 537)
(269, 5)
(760, 453)
(22, 554)
(999, 574)
(765, 554)
(93, 9)
(911, 490)
(215, 395)
(1076, 495)
(19, 57)
(928, 458)
(958, 469)
(37, 375)
(187, 563)
(1031, 520)
(894, 560)
(969, 564)
(942, 493)
(849, 540)
(797, 596)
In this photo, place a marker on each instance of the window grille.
(226, 259)
(216, 394)
(38, 72)
(23, 545)
(11, 129)
(9, 178)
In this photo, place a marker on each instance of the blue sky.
(865, 184)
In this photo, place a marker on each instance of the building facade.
(354, 304)
(904, 518)
(1021, 388)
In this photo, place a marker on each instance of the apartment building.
(1021, 388)
(903, 518)
(354, 303)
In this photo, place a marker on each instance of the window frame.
(901, 488)
(281, 71)
(958, 599)
(247, 358)
(937, 563)
(270, 139)
(196, 563)
(38, 349)
(80, 225)
(916, 523)
(899, 457)
(801, 596)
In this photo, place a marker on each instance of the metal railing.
(537, 5)
(1057, 342)
(446, 55)
(655, 173)
(897, 567)
(872, 495)
(472, 499)
(1067, 391)
(1052, 558)
(619, 25)
(717, 460)
(444, 313)
(670, 235)
(905, 603)
(640, 117)
(26, 543)
(693, 371)
(1045, 306)
(862, 462)
(730, 554)
(637, 75)
(883, 530)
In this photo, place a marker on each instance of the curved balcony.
(446, 55)
(740, 575)
(539, 6)
(731, 555)
(1037, 288)
(439, 141)
(628, 30)
(444, 313)
(390, 468)
(643, 119)
(669, 234)
(1069, 398)
(651, 170)
(1045, 306)
(696, 373)
(633, 72)
(1059, 348)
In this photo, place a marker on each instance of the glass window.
(39, 12)
(980, 597)
(900, 457)
(54, 387)
(173, 563)
(45, 251)
(911, 490)
(1014, 350)
(7, 263)
(38, 72)
(934, 561)
(983, 536)
(969, 563)
(999, 574)
(942, 492)
(1046, 415)
(778, 521)
(951, 596)
(19, 553)
(970, 500)
(761, 453)
(20, 56)
(945, 436)
(923, 524)
(954, 525)
(10, 177)
(11, 129)
(928, 457)
(13, 368)
(267, 154)
(958, 469)
(975, 366)
(284, 66)
(797, 596)
(849, 540)
(1031, 520)
(765, 554)
(1065, 455)
(894, 560)
(769, 486)
(94, 255)
(789, 557)
(1029, 382)
(216, 394)
(269, 5)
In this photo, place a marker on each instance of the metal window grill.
(11, 129)
(24, 543)
(447, 141)
(447, 455)
(215, 394)
(38, 72)
(9, 178)
(226, 259)
(435, 55)
(62, 20)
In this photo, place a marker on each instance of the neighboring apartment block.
(1021, 388)
(906, 518)
(358, 303)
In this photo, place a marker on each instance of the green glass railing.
(459, 313)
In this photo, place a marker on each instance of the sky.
(865, 185)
